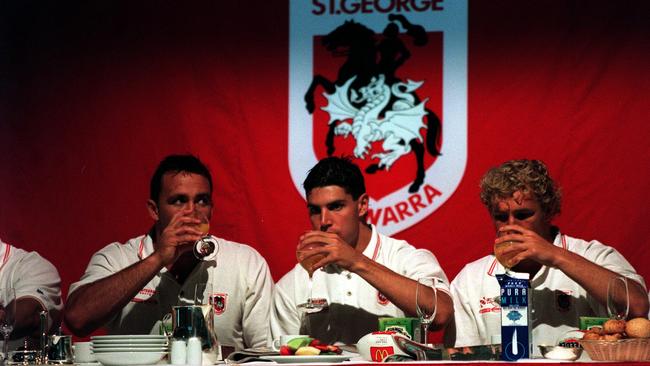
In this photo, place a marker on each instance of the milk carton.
(515, 315)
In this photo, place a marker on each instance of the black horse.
(367, 57)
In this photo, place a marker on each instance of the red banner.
(93, 96)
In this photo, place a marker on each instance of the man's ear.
(152, 207)
(362, 204)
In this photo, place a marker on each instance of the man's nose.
(325, 220)
(189, 206)
(511, 219)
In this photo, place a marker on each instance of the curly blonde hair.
(527, 176)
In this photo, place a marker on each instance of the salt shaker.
(178, 352)
(194, 352)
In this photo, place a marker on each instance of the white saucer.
(306, 359)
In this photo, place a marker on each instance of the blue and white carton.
(515, 316)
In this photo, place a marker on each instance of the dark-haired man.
(365, 274)
(129, 287)
(568, 276)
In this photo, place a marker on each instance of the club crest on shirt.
(381, 299)
(219, 303)
(488, 305)
(146, 295)
(563, 300)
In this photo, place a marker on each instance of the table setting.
(115, 350)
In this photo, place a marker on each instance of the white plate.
(128, 336)
(129, 349)
(301, 359)
(129, 358)
(129, 345)
(129, 341)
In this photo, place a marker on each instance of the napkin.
(251, 355)
(414, 351)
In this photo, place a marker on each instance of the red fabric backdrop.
(94, 94)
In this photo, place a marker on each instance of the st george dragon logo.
(388, 87)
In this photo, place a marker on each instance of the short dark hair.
(177, 164)
(336, 171)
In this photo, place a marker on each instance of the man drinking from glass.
(129, 287)
(359, 273)
(569, 276)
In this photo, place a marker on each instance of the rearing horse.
(364, 61)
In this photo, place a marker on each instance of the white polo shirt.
(349, 292)
(241, 283)
(557, 300)
(32, 276)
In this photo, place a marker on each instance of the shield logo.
(382, 299)
(388, 90)
(219, 303)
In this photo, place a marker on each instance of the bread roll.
(638, 328)
(591, 336)
(614, 326)
(596, 329)
(612, 337)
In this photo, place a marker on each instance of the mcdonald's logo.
(379, 353)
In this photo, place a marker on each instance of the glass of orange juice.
(206, 246)
(506, 259)
(204, 225)
(307, 261)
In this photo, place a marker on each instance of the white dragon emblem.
(400, 125)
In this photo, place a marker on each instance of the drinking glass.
(426, 299)
(202, 293)
(307, 262)
(205, 247)
(204, 226)
(7, 316)
(499, 249)
(618, 298)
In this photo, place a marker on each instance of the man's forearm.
(595, 278)
(400, 291)
(92, 305)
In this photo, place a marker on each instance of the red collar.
(5, 257)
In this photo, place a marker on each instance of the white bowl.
(560, 353)
(129, 358)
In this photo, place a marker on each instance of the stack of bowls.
(114, 350)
